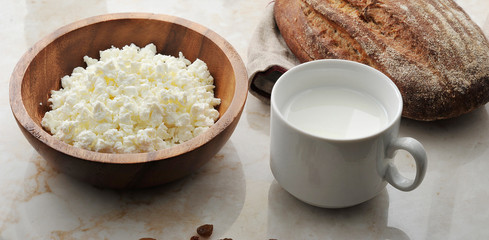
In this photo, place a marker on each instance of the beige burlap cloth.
(268, 57)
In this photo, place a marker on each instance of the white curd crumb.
(133, 100)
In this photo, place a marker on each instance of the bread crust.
(431, 49)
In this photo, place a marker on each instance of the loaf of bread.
(431, 49)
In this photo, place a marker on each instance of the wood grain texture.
(435, 54)
(40, 70)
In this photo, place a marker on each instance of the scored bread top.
(431, 49)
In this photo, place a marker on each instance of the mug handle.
(416, 150)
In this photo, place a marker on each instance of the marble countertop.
(235, 191)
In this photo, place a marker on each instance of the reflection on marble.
(364, 221)
(235, 191)
(52, 205)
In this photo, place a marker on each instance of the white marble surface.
(236, 190)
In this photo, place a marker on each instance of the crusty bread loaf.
(436, 55)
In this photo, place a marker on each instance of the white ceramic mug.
(335, 171)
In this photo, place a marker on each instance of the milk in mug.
(336, 112)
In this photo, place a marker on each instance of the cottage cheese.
(133, 100)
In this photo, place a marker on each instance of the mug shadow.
(290, 218)
(56, 206)
(451, 145)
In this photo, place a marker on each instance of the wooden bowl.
(40, 70)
